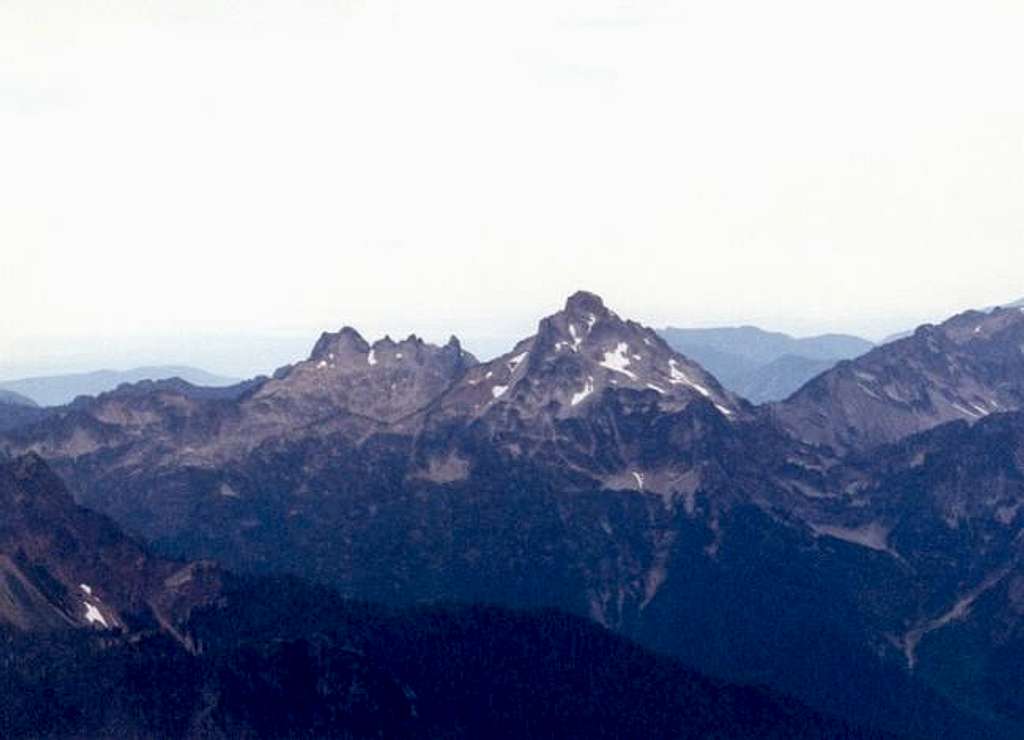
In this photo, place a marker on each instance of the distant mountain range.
(759, 365)
(57, 390)
(10, 398)
(855, 545)
(764, 366)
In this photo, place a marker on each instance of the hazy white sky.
(230, 169)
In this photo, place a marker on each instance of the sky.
(217, 181)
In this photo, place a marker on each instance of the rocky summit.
(576, 355)
(382, 383)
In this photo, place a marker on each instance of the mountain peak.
(583, 302)
(576, 355)
(344, 342)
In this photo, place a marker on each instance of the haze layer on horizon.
(180, 175)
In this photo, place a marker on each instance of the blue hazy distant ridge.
(57, 390)
(761, 365)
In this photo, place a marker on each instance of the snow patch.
(577, 340)
(587, 390)
(893, 393)
(499, 390)
(968, 412)
(322, 364)
(93, 616)
(678, 377)
(516, 361)
(398, 356)
(618, 361)
(868, 391)
(639, 480)
(86, 588)
(653, 387)
(874, 536)
(228, 492)
(723, 409)
(371, 359)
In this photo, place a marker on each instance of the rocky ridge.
(966, 368)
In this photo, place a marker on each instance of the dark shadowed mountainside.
(98, 638)
(63, 567)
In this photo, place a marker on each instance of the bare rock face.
(380, 383)
(967, 368)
